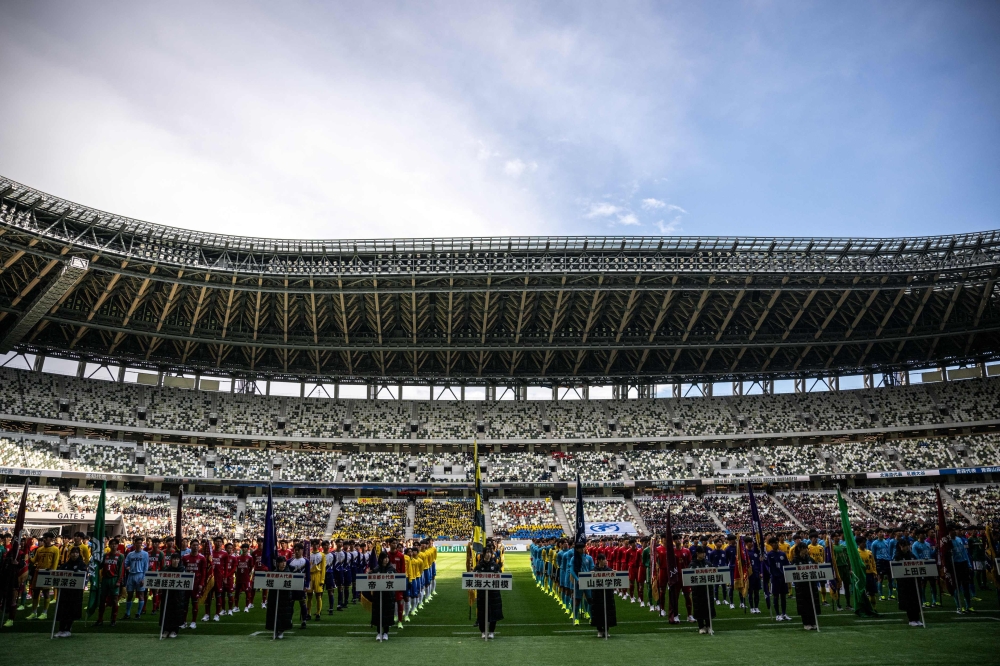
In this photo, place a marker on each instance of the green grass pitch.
(536, 631)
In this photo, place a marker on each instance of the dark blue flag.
(581, 525)
(270, 538)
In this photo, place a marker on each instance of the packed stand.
(10, 498)
(524, 519)
(687, 513)
(905, 507)
(369, 518)
(206, 516)
(448, 520)
(734, 512)
(982, 502)
(293, 518)
(599, 511)
(819, 510)
(144, 514)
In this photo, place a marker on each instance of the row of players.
(645, 561)
(221, 573)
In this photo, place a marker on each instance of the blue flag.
(270, 538)
(581, 525)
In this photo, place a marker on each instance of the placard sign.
(279, 580)
(499, 582)
(706, 576)
(914, 569)
(71, 580)
(807, 573)
(169, 580)
(603, 580)
(381, 582)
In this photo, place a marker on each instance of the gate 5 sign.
(604, 580)
(72, 580)
(498, 582)
(279, 580)
(381, 582)
(914, 569)
(805, 573)
(169, 580)
(706, 576)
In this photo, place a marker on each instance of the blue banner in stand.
(500, 582)
(610, 529)
(279, 580)
(381, 582)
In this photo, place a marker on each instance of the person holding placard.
(704, 609)
(70, 606)
(174, 606)
(279, 607)
(489, 603)
(383, 603)
(907, 589)
(603, 613)
(805, 593)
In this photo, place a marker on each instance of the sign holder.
(293, 582)
(56, 580)
(468, 579)
(901, 571)
(378, 582)
(712, 576)
(609, 576)
(824, 572)
(153, 580)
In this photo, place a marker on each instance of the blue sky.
(435, 119)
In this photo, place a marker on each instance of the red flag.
(943, 546)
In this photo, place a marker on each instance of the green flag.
(856, 586)
(96, 554)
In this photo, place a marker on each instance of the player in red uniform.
(194, 562)
(244, 577)
(157, 560)
(682, 560)
(398, 560)
(632, 559)
(258, 565)
(230, 585)
(220, 570)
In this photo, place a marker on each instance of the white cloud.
(602, 209)
(652, 204)
(628, 219)
(515, 167)
(669, 228)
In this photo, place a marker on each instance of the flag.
(672, 572)
(97, 553)
(270, 538)
(741, 577)
(755, 524)
(943, 547)
(22, 507)
(178, 522)
(581, 524)
(856, 586)
(479, 517)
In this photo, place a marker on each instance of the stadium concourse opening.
(589, 416)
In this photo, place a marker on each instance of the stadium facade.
(504, 314)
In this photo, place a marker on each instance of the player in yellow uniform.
(432, 549)
(317, 576)
(817, 554)
(871, 581)
(45, 556)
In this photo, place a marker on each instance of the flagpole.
(54, 616)
(163, 612)
(812, 601)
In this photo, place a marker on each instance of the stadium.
(177, 339)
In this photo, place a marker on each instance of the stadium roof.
(79, 283)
